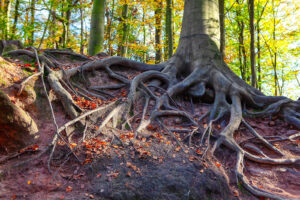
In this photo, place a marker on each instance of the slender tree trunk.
(169, 28)
(62, 15)
(242, 51)
(110, 17)
(144, 34)
(258, 57)
(123, 47)
(158, 17)
(81, 29)
(16, 17)
(275, 52)
(222, 28)
(97, 27)
(259, 17)
(68, 23)
(32, 19)
(45, 29)
(5, 13)
(252, 43)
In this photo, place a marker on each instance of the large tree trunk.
(97, 27)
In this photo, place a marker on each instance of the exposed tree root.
(206, 78)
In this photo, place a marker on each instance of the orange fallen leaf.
(13, 197)
(99, 175)
(261, 187)
(29, 182)
(218, 164)
(198, 152)
(72, 145)
(236, 193)
(129, 174)
(69, 189)
(177, 148)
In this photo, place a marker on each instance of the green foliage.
(69, 21)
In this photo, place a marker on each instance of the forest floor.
(118, 166)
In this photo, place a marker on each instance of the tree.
(222, 27)
(196, 70)
(169, 28)
(252, 43)
(5, 6)
(125, 29)
(16, 17)
(158, 30)
(97, 27)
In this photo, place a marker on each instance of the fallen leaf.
(177, 148)
(129, 174)
(201, 171)
(218, 164)
(91, 196)
(29, 182)
(72, 145)
(69, 189)
(191, 158)
(13, 197)
(198, 152)
(99, 175)
(261, 187)
(161, 158)
(236, 193)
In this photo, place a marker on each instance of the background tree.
(169, 28)
(252, 42)
(97, 27)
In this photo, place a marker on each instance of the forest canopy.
(66, 24)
